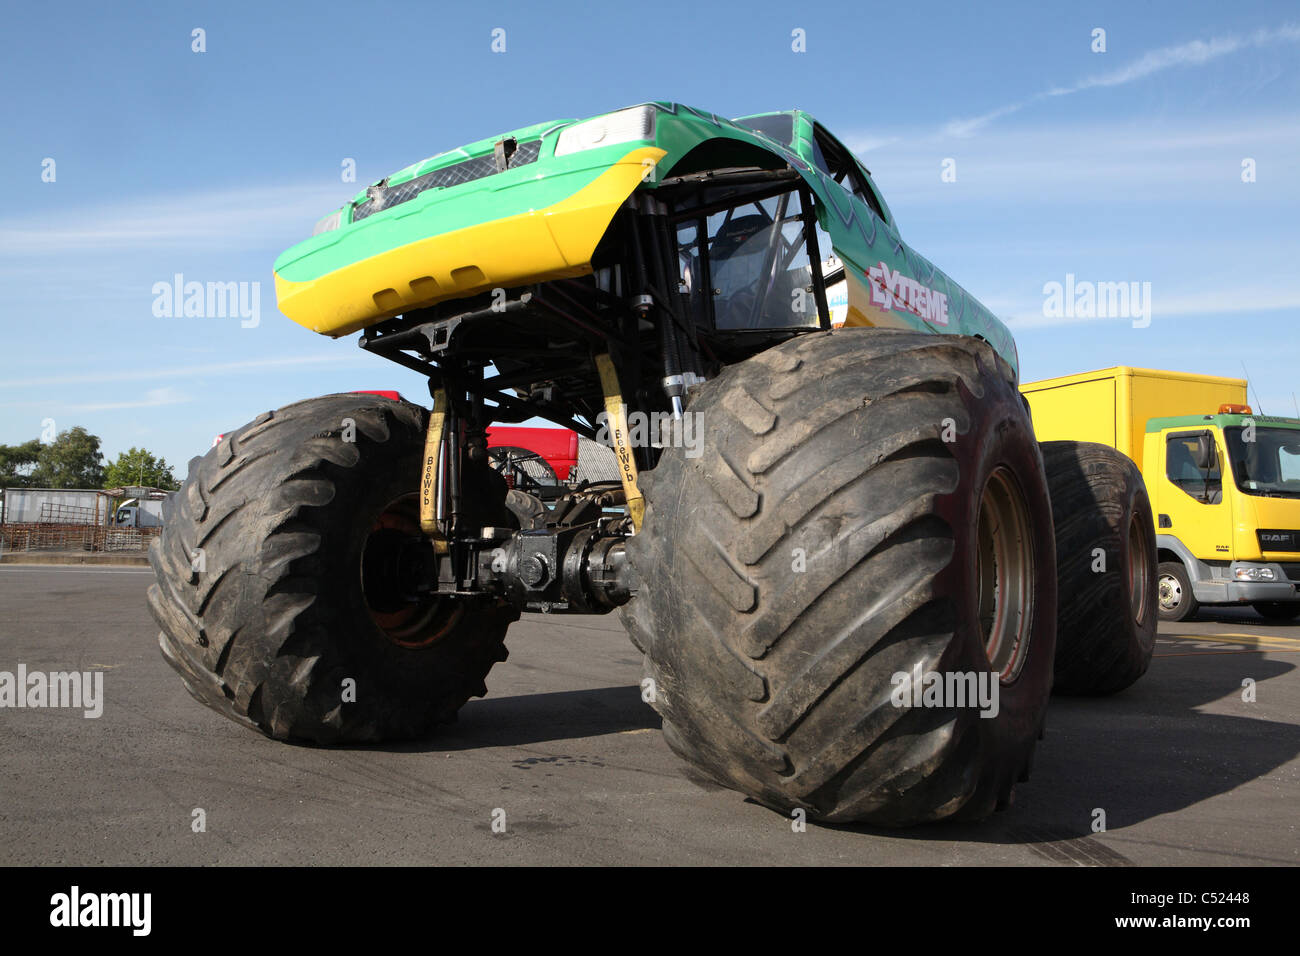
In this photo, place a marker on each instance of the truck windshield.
(1265, 461)
(775, 126)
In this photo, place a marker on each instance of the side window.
(872, 197)
(1288, 459)
(748, 266)
(837, 285)
(1203, 484)
(839, 164)
(819, 159)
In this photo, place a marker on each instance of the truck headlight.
(330, 222)
(1253, 574)
(625, 126)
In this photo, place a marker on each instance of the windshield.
(777, 126)
(1268, 465)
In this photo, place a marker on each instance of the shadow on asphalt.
(1142, 753)
(1241, 617)
(536, 719)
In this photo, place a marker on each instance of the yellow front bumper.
(533, 246)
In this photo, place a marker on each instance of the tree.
(72, 460)
(17, 462)
(139, 467)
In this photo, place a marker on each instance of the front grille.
(1277, 539)
(1292, 571)
(386, 197)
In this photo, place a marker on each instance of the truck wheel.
(1278, 610)
(1105, 567)
(1174, 588)
(285, 571)
(868, 504)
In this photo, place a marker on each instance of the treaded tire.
(777, 682)
(275, 620)
(1186, 606)
(1106, 619)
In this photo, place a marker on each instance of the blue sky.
(1116, 166)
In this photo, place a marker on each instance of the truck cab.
(1225, 490)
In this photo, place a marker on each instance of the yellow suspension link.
(616, 415)
(429, 480)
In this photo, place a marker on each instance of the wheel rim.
(394, 557)
(1139, 568)
(1005, 574)
(1171, 592)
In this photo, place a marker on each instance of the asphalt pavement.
(1186, 768)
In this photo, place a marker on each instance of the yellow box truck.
(1224, 483)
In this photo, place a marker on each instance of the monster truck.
(829, 484)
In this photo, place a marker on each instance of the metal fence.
(59, 512)
(64, 536)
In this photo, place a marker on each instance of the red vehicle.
(528, 457)
(556, 448)
(547, 455)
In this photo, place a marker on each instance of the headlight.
(625, 126)
(330, 222)
(1253, 574)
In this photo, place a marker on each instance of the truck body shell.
(1113, 405)
(533, 205)
(1233, 523)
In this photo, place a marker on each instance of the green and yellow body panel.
(544, 218)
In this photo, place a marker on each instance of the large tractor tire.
(284, 571)
(1106, 567)
(868, 504)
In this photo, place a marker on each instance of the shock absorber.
(651, 247)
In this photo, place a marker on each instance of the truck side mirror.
(1205, 452)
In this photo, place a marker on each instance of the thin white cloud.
(1193, 53)
(146, 374)
(1224, 301)
(961, 128)
(1138, 162)
(865, 144)
(226, 218)
(1185, 305)
(153, 398)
